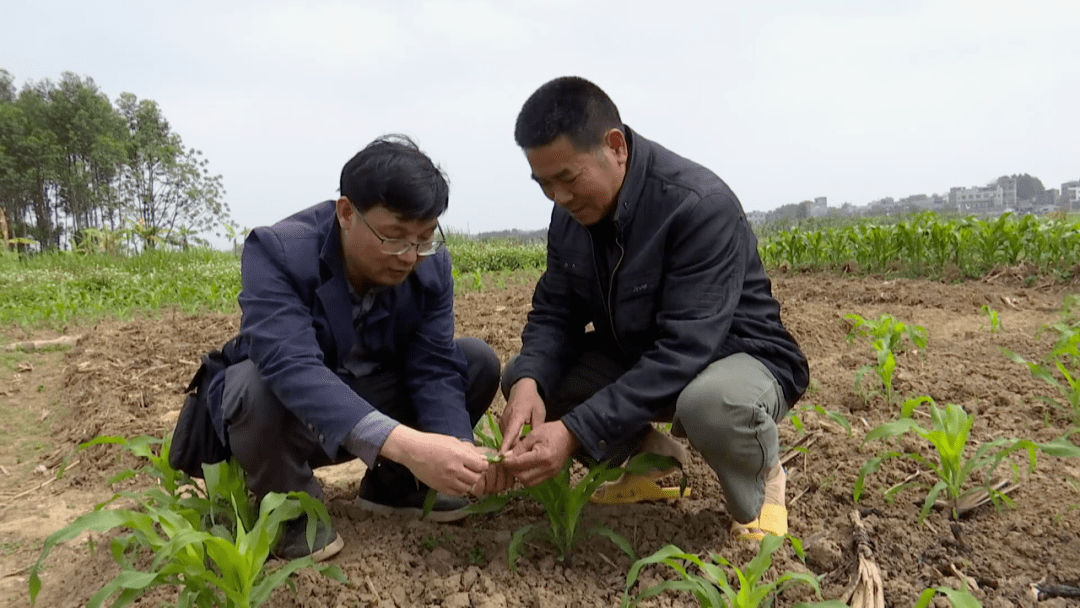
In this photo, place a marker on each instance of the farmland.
(126, 375)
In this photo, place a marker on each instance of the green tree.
(91, 134)
(7, 87)
(1028, 187)
(166, 186)
(38, 158)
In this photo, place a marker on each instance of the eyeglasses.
(401, 246)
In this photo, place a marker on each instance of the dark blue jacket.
(679, 285)
(297, 327)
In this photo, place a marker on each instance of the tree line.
(79, 171)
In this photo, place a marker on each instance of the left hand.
(542, 453)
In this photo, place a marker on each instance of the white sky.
(785, 100)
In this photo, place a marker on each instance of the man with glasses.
(347, 350)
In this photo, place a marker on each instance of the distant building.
(916, 203)
(818, 208)
(1046, 197)
(1070, 192)
(980, 198)
(756, 217)
(1008, 191)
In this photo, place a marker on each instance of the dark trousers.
(278, 453)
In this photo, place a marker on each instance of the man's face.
(362, 250)
(587, 183)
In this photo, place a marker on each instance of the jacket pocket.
(637, 304)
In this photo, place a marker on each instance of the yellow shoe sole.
(772, 521)
(635, 488)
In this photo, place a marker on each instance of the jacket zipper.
(609, 305)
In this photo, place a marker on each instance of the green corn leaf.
(97, 521)
(892, 429)
(619, 540)
(908, 409)
(931, 498)
(645, 463)
(489, 504)
(1060, 447)
(127, 581)
(960, 599)
(836, 417)
(429, 502)
(517, 543)
(796, 422)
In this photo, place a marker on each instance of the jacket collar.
(634, 181)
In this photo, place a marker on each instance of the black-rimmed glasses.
(400, 246)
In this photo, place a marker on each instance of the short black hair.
(570, 106)
(392, 171)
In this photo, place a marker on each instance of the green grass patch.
(495, 255)
(58, 288)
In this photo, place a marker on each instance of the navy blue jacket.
(297, 326)
(683, 287)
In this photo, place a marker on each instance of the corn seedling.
(711, 587)
(991, 317)
(564, 504)
(212, 563)
(886, 339)
(958, 598)
(1065, 358)
(949, 438)
(837, 417)
(221, 499)
(205, 565)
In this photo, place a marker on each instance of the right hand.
(523, 407)
(445, 463)
(496, 481)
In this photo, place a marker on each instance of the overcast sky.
(853, 100)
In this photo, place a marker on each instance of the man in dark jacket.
(655, 252)
(347, 349)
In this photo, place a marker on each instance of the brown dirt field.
(127, 379)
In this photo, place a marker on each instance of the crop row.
(927, 245)
(55, 288)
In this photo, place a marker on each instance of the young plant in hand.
(563, 502)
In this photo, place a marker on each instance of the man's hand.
(523, 407)
(496, 480)
(445, 463)
(541, 454)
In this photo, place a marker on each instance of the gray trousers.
(278, 453)
(728, 412)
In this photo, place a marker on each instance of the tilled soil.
(127, 378)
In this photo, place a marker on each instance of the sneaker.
(377, 498)
(292, 542)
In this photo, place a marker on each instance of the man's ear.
(345, 210)
(615, 140)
